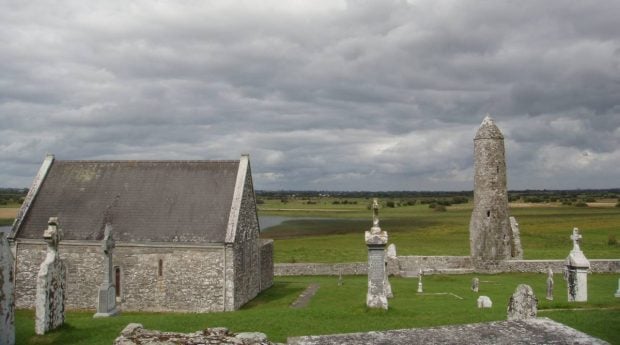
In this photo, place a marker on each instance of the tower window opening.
(117, 280)
(160, 268)
(498, 169)
(488, 213)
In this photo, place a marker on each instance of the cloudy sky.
(323, 95)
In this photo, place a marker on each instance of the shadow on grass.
(281, 293)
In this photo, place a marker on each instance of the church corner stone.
(106, 303)
(376, 240)
(51, 283)
(7, 286)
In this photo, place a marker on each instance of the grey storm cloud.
(346, 95)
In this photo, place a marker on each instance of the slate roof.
(145, 201)
(488, 130)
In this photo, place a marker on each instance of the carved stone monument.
(7, 286)
(523, 304)
(576, 271)
(106, 305)
(475, 284)
(51, 283)
(517, 250)
(420, 287)
(376, 240)
(617, 294)
(549, 284)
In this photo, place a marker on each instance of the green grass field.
(336, 232)
(341, 309)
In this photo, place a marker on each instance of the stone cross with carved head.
(52, 235)
(375, 213)
(576, 237)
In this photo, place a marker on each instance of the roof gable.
(146, 201)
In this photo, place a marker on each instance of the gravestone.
(107, 291)
(617, 294)
(549, 284)
(7, 287)
(420, 287)
(484, 302)
(517, 250)
(523, 304)
(388, 286)
(376, 240)
(576, 271)
(393, 268)
(51, 283)
(475, 284)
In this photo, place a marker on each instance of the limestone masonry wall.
(191, 277)
(247, 248)
(266, 264)
(410, 265)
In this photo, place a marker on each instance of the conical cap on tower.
(488, 130)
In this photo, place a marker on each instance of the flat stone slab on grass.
(304, 297)
(532, 331)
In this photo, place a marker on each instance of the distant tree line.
(10, 196)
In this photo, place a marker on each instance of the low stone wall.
(540, 266)
(409, 266)
(313, 269)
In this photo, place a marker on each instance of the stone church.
(186, 233)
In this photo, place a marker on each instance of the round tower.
(489, 227)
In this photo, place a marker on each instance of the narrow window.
(160, 268)
(488, 213)
(117, 280)
(498, 169)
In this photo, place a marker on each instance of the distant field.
(338, 236)
(7, 214)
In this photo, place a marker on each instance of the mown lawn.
(341, 309)
(336, 232)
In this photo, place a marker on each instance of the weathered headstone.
(107, 291)
(340, 279)
(135, 334)
(475, 284)
(517, 250)
(549, 284)
(393, 268)
(7, 287)
(51, 283)
(484, 302)
(388, 285)
(576, 271)
(420, 287)
(617, 294)
(376, 240)
(523, 303)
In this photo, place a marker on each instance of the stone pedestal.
(106, 305)
(576, 271)
(376, 242)
(7, 287)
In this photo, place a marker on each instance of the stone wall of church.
(266, 264)
(247, 248)
(152, 278)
